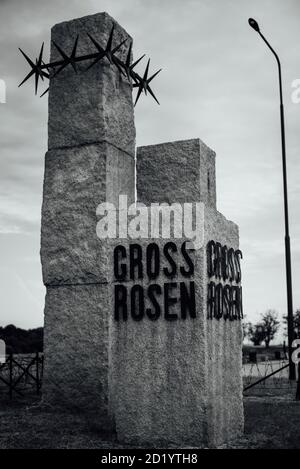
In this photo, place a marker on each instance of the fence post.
(10, 376)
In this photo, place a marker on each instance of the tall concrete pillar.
(90, 160)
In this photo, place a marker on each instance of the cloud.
(219, 83)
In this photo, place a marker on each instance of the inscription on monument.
(154, 297)
(224, 299)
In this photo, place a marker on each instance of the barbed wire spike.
(36, 69)
(129, 67)
(108, 52)
(143, 84)
(125, 68)
(46, 66)
(101, 51)
(43, 94)
(67, 59)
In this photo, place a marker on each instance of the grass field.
(270, 422)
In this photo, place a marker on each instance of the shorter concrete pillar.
(91, 159)
(177, 346)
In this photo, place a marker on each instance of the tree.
(18, 340)
(270, 324)
(255, 333)
(265, 330)
(296, 317)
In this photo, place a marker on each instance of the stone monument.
(90, 160)
(142, 334)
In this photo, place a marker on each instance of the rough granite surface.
(178, 381)
(224, 350)
(182, 171)
(158, 381)
(92, 105)
(76, 181)
(218, 347)
(77, 350)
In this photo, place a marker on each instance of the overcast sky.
(219, 83)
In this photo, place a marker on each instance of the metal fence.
(21, 374)
(270, 377)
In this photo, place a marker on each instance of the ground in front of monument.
(270, 423)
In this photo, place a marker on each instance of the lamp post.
(292, 374)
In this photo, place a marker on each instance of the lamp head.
(253, 24)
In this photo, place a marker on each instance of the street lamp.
(292, 373)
